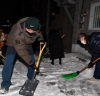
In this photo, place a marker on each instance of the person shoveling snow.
(19, 41)
(93, 41)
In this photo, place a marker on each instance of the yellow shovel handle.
(88, 66)
(2, 56)
(41, 50)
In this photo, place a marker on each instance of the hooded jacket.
(93, 41)
(22, 41)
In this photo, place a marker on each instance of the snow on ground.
(51, 82)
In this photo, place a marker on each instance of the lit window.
(94, 22)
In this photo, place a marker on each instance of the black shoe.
(60, 63)
(52, 63)
(4, 89)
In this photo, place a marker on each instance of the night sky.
(14, 10)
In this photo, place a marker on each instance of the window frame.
(91, 17)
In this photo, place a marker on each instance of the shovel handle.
(41, 50)
(46, 52)
(2, 56)
(63, 36)
(40, 45)
(88, 66)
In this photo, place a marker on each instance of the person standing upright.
(55, 46)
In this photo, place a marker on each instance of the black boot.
(52, 62)
(60, 61)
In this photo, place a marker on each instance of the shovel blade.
(25, 87)
(69, 76)
(29, 90)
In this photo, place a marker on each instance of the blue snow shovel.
(29, 86)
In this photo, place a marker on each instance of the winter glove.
(90, 65)
(33, 66)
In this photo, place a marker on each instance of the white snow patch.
(50, 78)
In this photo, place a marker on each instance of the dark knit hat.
(32, 23)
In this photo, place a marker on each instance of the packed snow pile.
(50, 77)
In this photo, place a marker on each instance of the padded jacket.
(22, 41)
(93, 41)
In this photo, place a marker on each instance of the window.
(94, 22)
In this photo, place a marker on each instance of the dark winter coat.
(55, 45)
(93, 41)
(22, 41)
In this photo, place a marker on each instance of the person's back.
(93, 41)
(55, 46)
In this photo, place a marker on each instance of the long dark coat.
(55, 45)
